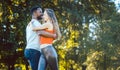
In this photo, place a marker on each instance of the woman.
(48, 51)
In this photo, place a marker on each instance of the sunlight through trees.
(77, 50)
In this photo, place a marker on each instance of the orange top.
(46, 40)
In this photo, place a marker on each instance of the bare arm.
(46, 34)
(43, 26)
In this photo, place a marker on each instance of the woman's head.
(50, 15)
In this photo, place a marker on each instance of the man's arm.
(46, 34)
(41, 27)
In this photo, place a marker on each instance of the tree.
(74, 16)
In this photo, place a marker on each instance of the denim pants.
(33, 57)
(48, 56)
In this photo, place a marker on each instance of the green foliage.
(76, 49)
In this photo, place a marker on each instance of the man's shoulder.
(35, 22)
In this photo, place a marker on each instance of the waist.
(34, 47)
(45, 45)
(46, 40)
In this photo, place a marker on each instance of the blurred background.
(90, 30)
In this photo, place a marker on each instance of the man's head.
(37, 12)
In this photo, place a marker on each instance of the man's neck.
(33, 17)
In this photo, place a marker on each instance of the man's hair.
(34, 9)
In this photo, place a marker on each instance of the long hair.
(52, 16)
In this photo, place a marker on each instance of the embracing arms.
(40, 31)
(46, 34)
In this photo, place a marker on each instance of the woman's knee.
(52, 57)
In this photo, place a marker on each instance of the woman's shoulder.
(48, 23)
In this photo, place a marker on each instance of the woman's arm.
(46, 34)
(43, 26)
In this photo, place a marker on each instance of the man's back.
(31, 36)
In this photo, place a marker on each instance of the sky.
(92, 27)
(117, 6)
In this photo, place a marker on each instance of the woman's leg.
(42, 63)
(51, 57)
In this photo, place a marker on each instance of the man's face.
(39, 13)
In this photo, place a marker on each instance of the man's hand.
(46, 34)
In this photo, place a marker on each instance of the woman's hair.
(52, 16)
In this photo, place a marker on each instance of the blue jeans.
(42, 63)
(33, 57)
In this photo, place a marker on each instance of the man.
(32, 50)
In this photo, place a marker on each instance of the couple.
(39, 50)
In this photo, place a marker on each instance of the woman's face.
(45, 16)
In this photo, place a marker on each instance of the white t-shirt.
(32, 37)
